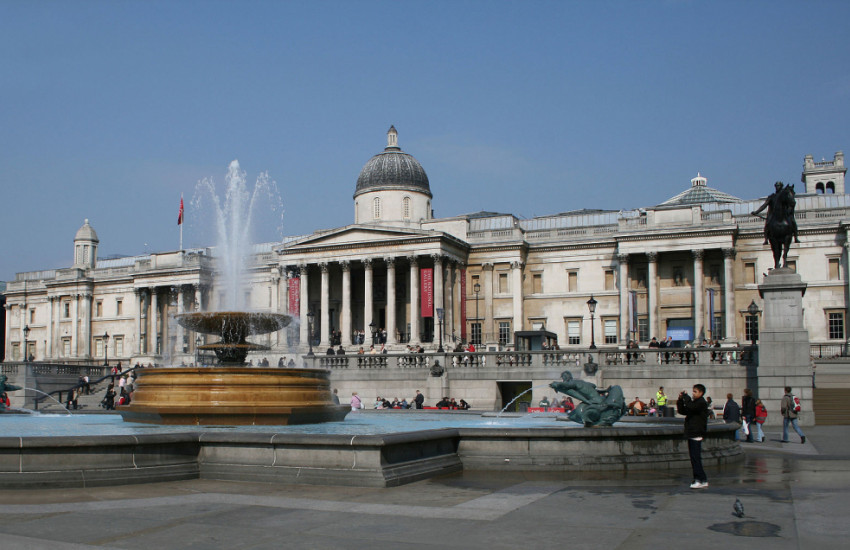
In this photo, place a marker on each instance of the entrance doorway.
(509, 391)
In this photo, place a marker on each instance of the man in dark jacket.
(731, 412)
(696, 427)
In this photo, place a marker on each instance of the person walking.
(732, 413)
(761, 416)
(788, 408)
(696, 428)
(748, 411)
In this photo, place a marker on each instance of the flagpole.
(181, 222)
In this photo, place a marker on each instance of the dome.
(393, 169)
(86, 233)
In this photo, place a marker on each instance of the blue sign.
(681, 333)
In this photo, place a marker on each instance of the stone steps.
(832, 406)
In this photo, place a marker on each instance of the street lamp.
(476, 288)
(591, 305)
(310, 317)
(374, 330)
(440, 318)
(105, 349)
(753, 310)
(26, 330)
(198, 343)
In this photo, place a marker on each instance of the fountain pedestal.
(233, 396)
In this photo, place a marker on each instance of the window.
(405, 208)
(474, 281)
(714, 274)
(643, 329)
(609, 279)
(819, 188)
(717, 328)
(503, 283)
(98, 347)
(376, 208)
(572, 281)
(66, 347)
(751, 328)
(504, 332)
(610, 327)
(119, 307)
(16, 351)
(537, 283)
(30, 349)
(678, 275)
(118, 346)
(641, 278)
(836, 325)
(66, 311)
(574, 332)
(750, 273)
(475, 336)
(830, 188)
(834, 273)
(32, 316)
(98, 308)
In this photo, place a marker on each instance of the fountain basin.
(233, 396)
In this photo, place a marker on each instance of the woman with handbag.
(761, 416)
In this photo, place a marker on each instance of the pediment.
(360, 235)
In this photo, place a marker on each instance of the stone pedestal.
(784, 346)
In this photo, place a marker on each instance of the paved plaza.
(794, 495)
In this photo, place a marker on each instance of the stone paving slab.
(794, 496)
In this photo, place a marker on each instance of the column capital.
(390, 261)
(516, 265)
(729, 253)
(345, 265)
(652, 257)
(698, 254)
(487, 266)
(623, 258)
(323, 267)
(414, 260)
(367, 263)
(302, 269)
(438, 258)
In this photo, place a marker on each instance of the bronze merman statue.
(780, 225)
(597, 407)
(4, 387)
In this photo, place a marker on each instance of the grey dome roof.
(86, 233)
(699, 193)
(393, 169)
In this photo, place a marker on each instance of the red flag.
(180, 215)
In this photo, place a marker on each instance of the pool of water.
(356, 423)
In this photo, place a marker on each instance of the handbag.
(745, 427)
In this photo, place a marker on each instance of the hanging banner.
(426, 287)
(633, 313)
(463, 304)
(295, 296)
(711, 312)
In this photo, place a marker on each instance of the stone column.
(154, 339)
(439, 302)
(368, 306)
(729, 314)
(180, 331)
(451, 273)
(516, 271)
(325, 323)
(487, 328)
(414, 299)
(623, 260)
(699, 295)
(652, 316)
(392, 325)
(49, 351)
(137, 348)
(305, 305)
(85, 332)
(75, 328)
(275, 337)
(345, 308)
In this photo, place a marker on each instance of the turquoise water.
(356, 423)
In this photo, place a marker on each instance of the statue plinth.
(784, 358)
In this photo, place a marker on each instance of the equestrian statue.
(780, 226)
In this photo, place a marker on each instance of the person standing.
(696, 428)
(731, 412)
(661, 400)
(335, 397)
(789, 416)
(748, 411)
(761, 416)
(419, 399)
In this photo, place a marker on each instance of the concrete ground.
(794, 496)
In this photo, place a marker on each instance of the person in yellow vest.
(661, 401)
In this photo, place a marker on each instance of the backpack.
(796, 403)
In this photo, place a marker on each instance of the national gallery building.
(688, 268)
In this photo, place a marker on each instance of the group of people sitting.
(447, 403)
(639, 408)
(567, 404)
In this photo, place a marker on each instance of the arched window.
(830, 187)
(819, 189)
(405, 208)
(376, 208)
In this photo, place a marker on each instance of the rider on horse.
(780, 208)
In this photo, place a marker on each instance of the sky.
(111, 110)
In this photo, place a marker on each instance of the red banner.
(463, 304)
(295, 297)
(426, 288)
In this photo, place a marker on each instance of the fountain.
(233, 394)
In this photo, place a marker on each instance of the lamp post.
(440, 318)
(591, 305)
(310, 317)
(753, 310)
(26, 331)
(105, 349)
(374, 330)
(198, 343)
(476, 288)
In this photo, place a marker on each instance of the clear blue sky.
(112, 109)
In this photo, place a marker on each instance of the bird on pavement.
(739, 508)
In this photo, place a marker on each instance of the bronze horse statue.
(780, 226)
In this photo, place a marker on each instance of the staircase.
(832, 406)
(84, 402)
